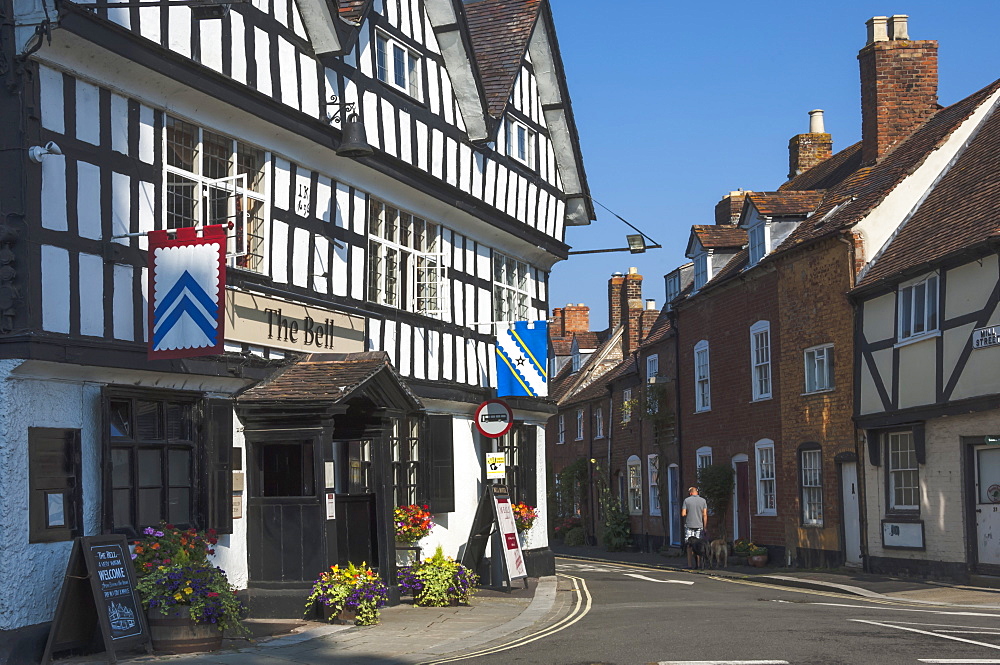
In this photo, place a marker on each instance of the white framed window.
(634, 466)
(402, 244)
(918, 308)
(673, 285)
(904, 474)
(562, 429)
(520, 142)
(703, 457)
(652, 366)
(510, 289)
(702, 378)
(397, 65)
(653, 472)
(599, 423)
(766, 495)
(212, 178)
(579, 424)
(819, 368)
(757, 235)
(812, 487)
(701, 271)
(760, 359)
(576, 360)
(627, 405)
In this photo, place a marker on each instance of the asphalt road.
(625, 614)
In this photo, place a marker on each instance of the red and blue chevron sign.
(187, 292)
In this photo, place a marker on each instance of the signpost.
(494, 418)
(98, 595)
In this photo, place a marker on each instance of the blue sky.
(679, 103)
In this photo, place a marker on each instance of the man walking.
(694, 511)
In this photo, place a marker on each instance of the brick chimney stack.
(614, 300)
(727, 211)
(631, 308)
(899, 80)
(807, 150)
(648, 318)
(576, 319)
(558, 327)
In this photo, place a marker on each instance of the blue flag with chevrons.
(522, 360)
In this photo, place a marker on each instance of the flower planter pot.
(757, 560)
(344, 617)
(177, 632)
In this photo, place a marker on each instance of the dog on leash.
(697, 548)
(718, 552)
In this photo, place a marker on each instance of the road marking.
(650, 579)
(927, 632)
(723, 662)
(960, 661)
(580, 610)
(911, 609)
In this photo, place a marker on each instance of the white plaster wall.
(942, 492)
(33, 572)
(231, 551)
(917, 373)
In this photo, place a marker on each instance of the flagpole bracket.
(112, 252)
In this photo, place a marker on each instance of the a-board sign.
(494, 418)
(98, 601)
(513, 556)
(494, 512)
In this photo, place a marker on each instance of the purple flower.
(158, 534)
(149, 531)
(134, 556)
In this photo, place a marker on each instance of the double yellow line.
(580, 610)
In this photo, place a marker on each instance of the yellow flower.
(188, 590)
(177, 596)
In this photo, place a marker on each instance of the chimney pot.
(898, 26)
(816, 122)
(650, 303)
(633, 271)
(877, 29)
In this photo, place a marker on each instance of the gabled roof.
(852, 200)
(710, 236)
(784, 203)
(570, 384)
(962, 210)
(662, 328)
(329, 378)
(829, 172)
(500, 30)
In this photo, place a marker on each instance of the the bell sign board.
(513, 556)
(494, 418)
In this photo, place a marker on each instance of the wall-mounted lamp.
(353, 140)
(636, 245)
(36, 152)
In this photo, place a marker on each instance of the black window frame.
(405, 445)
(208, 440)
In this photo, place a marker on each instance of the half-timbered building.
(397, 177)
(928, 368)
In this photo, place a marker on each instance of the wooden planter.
(177, 632)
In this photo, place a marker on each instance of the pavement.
(409, 634)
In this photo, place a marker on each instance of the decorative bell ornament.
(353, 142)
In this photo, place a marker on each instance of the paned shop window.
(405, 266)
(405, 441)
(215, 179)
(904, 485)
(152, 461)
(510, 289)
(812, 487)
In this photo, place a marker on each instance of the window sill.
(917, 338)
(703, 411)
(812, 526)
(762, 398)
(817, 392)
(772, 513)
(656, 514)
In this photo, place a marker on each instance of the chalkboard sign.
(98, 602)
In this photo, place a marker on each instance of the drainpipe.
(677, 412)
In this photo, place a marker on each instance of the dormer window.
(520, 142)
(702, 269)
(673, 287)
(758, 242)
(576, 360)
(397, 65)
